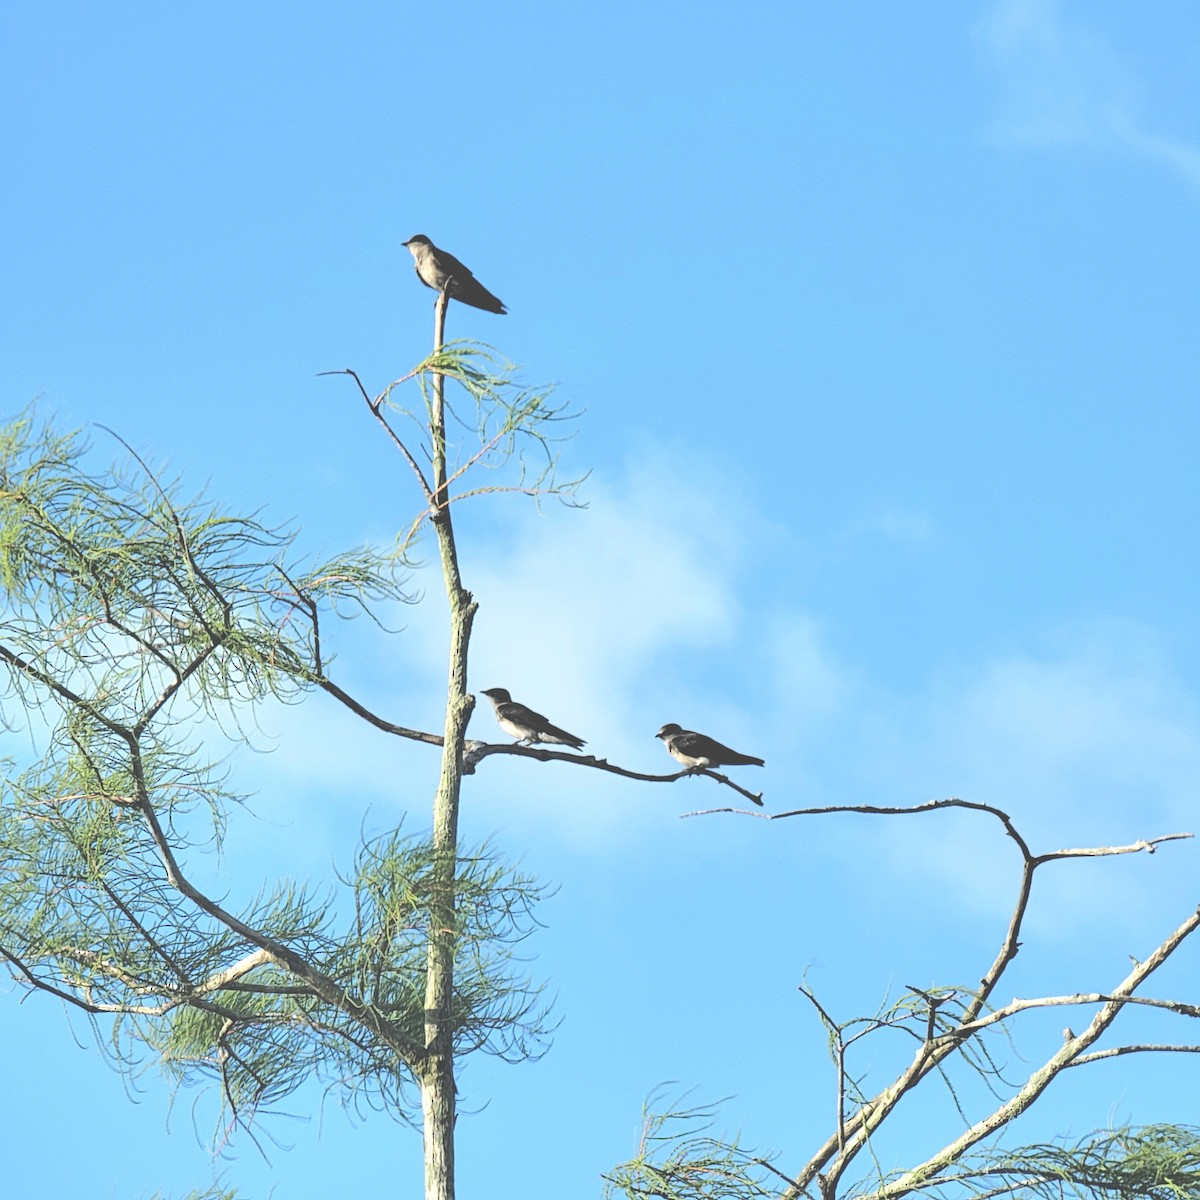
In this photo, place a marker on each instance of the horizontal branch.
(1016, 1006)
(101, 1008)
(42, 985)
(1116, 1051)
(1148, 845)
(221, 979)
(886, 810)
(477, 751)
(101, 965)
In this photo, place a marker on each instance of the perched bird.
(434, 267)
(526, 725)
(697, 752)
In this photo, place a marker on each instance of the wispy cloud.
(902, 527)
(1179, 156)
(1098, 727)
(609, 621)
(582, 616)
(651, 567)
(1092, 740)
(1064, 83)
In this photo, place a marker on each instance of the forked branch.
(1068, 1055)
(947, 1034)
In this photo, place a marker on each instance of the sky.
(881, 325)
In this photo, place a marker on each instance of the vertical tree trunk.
(437, 1079)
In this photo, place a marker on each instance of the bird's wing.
(696, 745)
(518, 714)
(452, 266)
(719, 754)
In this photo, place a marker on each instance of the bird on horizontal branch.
(697, 752)
(526, 725)
(435, 269)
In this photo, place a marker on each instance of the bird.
(698, 752)
(435, 267)
(526, 725)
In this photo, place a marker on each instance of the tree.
(133, 615)
(130, 613)
(954, 1031)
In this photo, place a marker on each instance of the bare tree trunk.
(437, 1078)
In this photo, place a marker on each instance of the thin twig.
(376, 407)
(1116, 1051)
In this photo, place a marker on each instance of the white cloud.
(1092, 742)
(1098, 728)
(610, 620)
(593, 614)
(811, 685)
(1179, 156)
(909, 528)
(1060, 81)
(589, 616)
(1063, 83)
(902, 527)
(647, 568)
(585, 615)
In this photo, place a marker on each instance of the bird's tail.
(563, 737)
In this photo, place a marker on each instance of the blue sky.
(883, 319)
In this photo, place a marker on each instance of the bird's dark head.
(669, 731)
(496, 695)
(417, 239)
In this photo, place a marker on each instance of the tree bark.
(437, 1077)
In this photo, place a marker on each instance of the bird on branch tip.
(698, 752)
(526, 725)
(435, 269)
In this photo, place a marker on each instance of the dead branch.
(851, 1136)
(376, 407)
(1040, 1079)
(477, 751)
(1116, 1051)
(1016, 1006)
